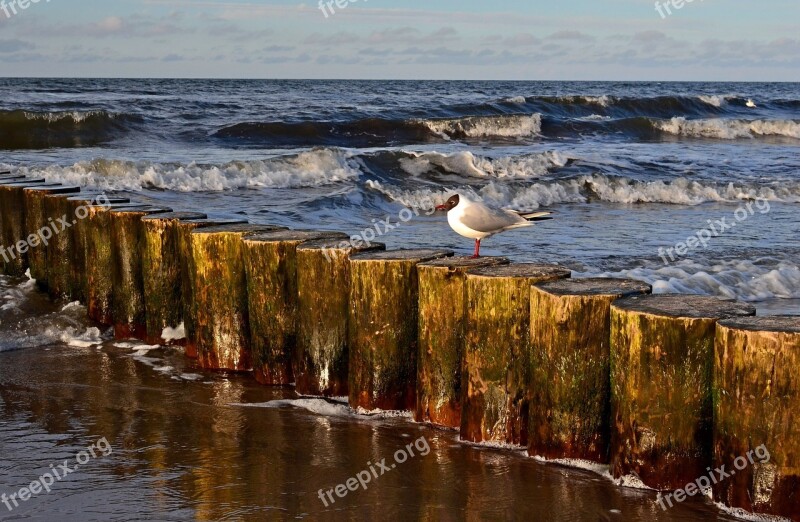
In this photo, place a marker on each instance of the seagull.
(477, 221)
(751, 104)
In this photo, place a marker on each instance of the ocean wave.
(729, 129)
(507, 126)
(307, 169)
(581, 189)
(61, 129)
(369, 132)
(467, 164)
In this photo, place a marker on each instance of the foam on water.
(306, 169)
(515, 126)
(580, 189)
(728, 129)
(465, 163)
(328, 407)
(734, 279)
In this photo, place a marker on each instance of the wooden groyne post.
(12, 225)
(662, 360)
(127, 299)
(183, 239)
(75, 278)
(100, 257)
(270, 261)
(219, 287)
(161, 272)
(323, 303)
(496, 351)
(756, 408)
(41, 227)
(442, 319)
(570, 399)
(383, 327)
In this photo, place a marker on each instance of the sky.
(705, 40)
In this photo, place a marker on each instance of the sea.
(691, 187)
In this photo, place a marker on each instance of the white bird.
(751, 104)
(477, 221)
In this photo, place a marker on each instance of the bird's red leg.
(477, 249)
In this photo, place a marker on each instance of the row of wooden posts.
(666, 387)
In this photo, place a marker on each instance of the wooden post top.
(53, 188)
(342, 244)
(595, 286)
(522, 271)
(465, 262)
(92, 198)
(143, 209)
(684, 305)
(417, 256)
(23, 182)
(767, 323)
(180, 216)
(293, 235)
(240, 228)
(211, 222)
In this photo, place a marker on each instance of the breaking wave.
(730, 129)
(307, 169)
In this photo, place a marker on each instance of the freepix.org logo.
(12, 7)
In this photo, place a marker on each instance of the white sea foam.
(466, 163)
(327, 407)
(729, 129)
(735, 279)
(516, 99)
(513, 126)
(714, 100)
(74, 116)
(748, 516)
(680, 191)
(307, 169)
(174, 334)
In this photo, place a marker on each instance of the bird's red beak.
(441, 207)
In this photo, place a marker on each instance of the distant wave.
(307, 169)
(730, 129)
(374, 132)
(61, 129)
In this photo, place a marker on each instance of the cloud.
(12, 46)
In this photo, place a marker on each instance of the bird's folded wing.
(485, 219)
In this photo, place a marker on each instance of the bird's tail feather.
(536, 216)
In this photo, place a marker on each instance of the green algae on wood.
(756, 407)
(383, 328)
(12, 225)
(161, 272)
(322, 363)
(222, 329)
(75, 279)
(183, 235)
(100, 254)
(662, 358)
(270, 262)
(42, 228)
(127, 298)
(496, 357)
(570, 399)
(442, 317)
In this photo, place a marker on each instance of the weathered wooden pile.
(665, 387)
